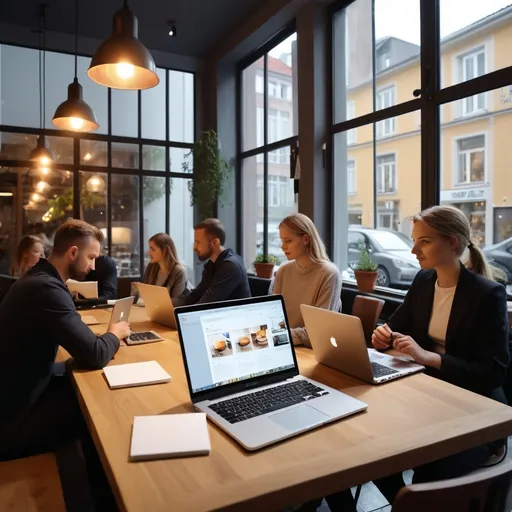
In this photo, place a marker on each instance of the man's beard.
(206, 256)
(74, 273)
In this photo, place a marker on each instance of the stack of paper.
(88, 289)
(135, 374)
(171, 435)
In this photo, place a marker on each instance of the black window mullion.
(265, 155)
(76, 178)
(167, 158)
(109, 174)
(141, 185)
(374, 125)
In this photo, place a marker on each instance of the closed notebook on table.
(135, 374)
(169, 435)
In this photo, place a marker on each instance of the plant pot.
(365, 280)
(265, 270)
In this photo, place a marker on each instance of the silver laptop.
(338, 341)
(242, 372)
(121, 313)
(158, 304)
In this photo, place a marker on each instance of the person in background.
(454, 322)
(224, 275)
(164, 268)
(105, 273)
(29, 251)
(309, 277)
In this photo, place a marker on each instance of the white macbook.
(242, 372)
(120, 313)
(338, 341)
(158, 304)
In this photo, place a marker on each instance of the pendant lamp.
(42, 152)
(74, 113)
(122, 61)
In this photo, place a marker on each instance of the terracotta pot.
(365, 280)
(265, 270)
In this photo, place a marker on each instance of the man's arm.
(60, 318)
(227, 277)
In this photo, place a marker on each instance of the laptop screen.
(230, 344)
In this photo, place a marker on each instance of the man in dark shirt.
(38, 409)
(105, 272)
(224, 275)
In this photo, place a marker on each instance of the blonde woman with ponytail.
(309, 277)
(477, 262)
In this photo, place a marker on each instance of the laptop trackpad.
(299, 418)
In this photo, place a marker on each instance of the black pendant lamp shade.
(74, 114)
(42, 152)
(122, 61)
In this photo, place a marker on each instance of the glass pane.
(17, 146)
(153, 158)
(281, 197)
(125, 156)
(153, 109)
(93, 200)
(153, 194)
(93, 152)
(475, 171)
(179, 157)
(397, 52)
(181, 106)
(125, 224)
(252, 106)
(252, 204)
(475, 39)
(19, 86)
(10, 218)
(387, 231)
(94, 94)
(125, 113)
(181, 221)
(282, 100)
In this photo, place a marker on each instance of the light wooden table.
(410, 421)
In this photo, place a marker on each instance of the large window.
(269, 129)
(126, 178)
(416, 148)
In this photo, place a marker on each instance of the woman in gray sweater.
(309, 277)
(164, 268)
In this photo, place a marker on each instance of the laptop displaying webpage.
(230, 344)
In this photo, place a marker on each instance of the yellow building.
(476, 140)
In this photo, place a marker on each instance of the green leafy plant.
(210, 174)
(265, 258)
(365, 263)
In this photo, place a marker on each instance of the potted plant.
(365, 271)
(210, 174)
(264, 265)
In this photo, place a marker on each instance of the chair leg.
(358, 493)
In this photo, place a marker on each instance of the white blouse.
(441, 309)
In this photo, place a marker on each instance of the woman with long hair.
(309, 277)
(30, 249)
(164, 268)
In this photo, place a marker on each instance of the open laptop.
(120, 313)
(245, 381)
(158, 304)
(338, 341)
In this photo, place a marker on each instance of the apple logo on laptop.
(122, 314)
(333, 341)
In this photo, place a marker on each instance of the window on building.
(386, 99)
(351, 178)
(268, 117)
(472, 65)
(386, 174)
(471, 160)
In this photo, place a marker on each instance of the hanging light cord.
(76, 38)
(40, 73)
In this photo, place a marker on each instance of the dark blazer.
(106, 274)
(476, 344)
(224, 279)
(37, 315)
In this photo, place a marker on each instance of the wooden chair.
(31, 485)
(368, 309)
(482, 491)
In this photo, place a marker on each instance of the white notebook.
(169, 435)
(89, 289)
(135, 374)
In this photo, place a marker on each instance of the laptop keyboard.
(380, 370)
(267, 400)
(142, 337)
